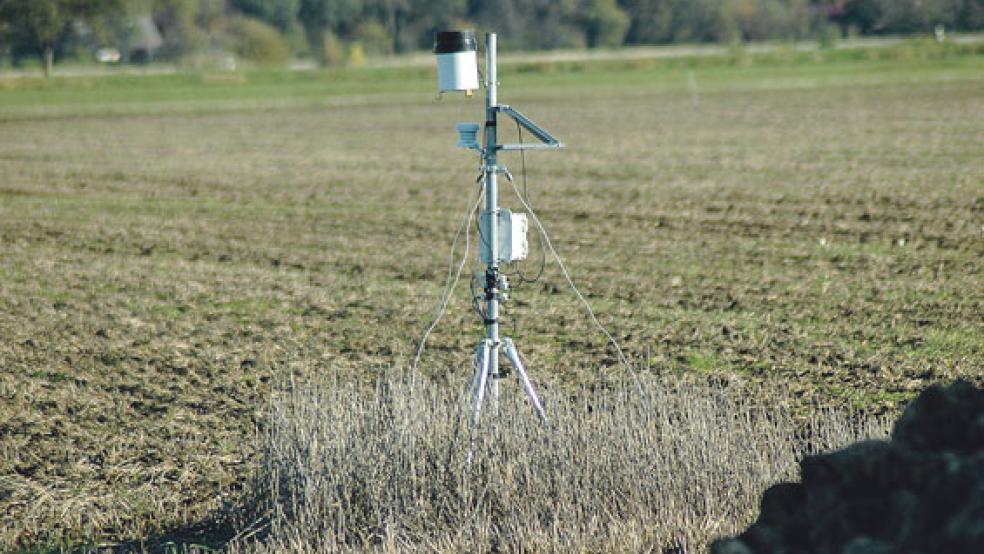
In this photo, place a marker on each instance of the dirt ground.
(817, 229)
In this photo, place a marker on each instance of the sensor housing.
(457, 61)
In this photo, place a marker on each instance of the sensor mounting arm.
(547, 140)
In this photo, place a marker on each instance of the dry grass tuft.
(350, 467)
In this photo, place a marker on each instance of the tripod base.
(484, 353)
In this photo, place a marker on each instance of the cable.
(523, 279)
(453, 276)
(522, 156)
(478, 224)
(476, 296)
(570, 281)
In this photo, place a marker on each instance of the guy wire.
(584, 301)
(526, 193)
(453, 276)
(478, 224)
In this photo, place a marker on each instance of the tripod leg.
(494, 374)
(477, 369)
(481, 379)
(513, 356)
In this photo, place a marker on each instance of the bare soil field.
(174, 248)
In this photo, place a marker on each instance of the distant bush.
(374, 38)
(605, 24)
(386, 467)
(923, 49)
(827, 36)
(356, 54)
(333, 50)
(253, 40)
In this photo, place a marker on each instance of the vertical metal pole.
(492, 208)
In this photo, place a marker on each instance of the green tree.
(327, 16)
(970, 15)
(532, 23)
(373, 38)
(392, 15)
(770, 19)
(6, 38)
(44, 23)
(410, 24)
(863, 15)
(181, 23)
(908, 16)
(556, 24)
(255, 40)
(604, 23)
(650, 21)
(282, 14)
(704, 21)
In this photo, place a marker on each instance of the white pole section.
(492, 209)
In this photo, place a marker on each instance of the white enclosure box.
(457, 60)
(513, 245)
(519, 245)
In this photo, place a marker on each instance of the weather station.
(503, 232)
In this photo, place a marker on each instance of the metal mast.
(499, 226)
(492, 208)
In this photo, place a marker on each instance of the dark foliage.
(384, 26)
(921, 492)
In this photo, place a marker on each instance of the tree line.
(341, 31)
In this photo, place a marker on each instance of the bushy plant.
(253, 40)
(332, 50)
(374, 38)
(356, 54)
(605, 24)
(827, 36)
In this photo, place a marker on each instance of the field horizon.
(178, 248)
